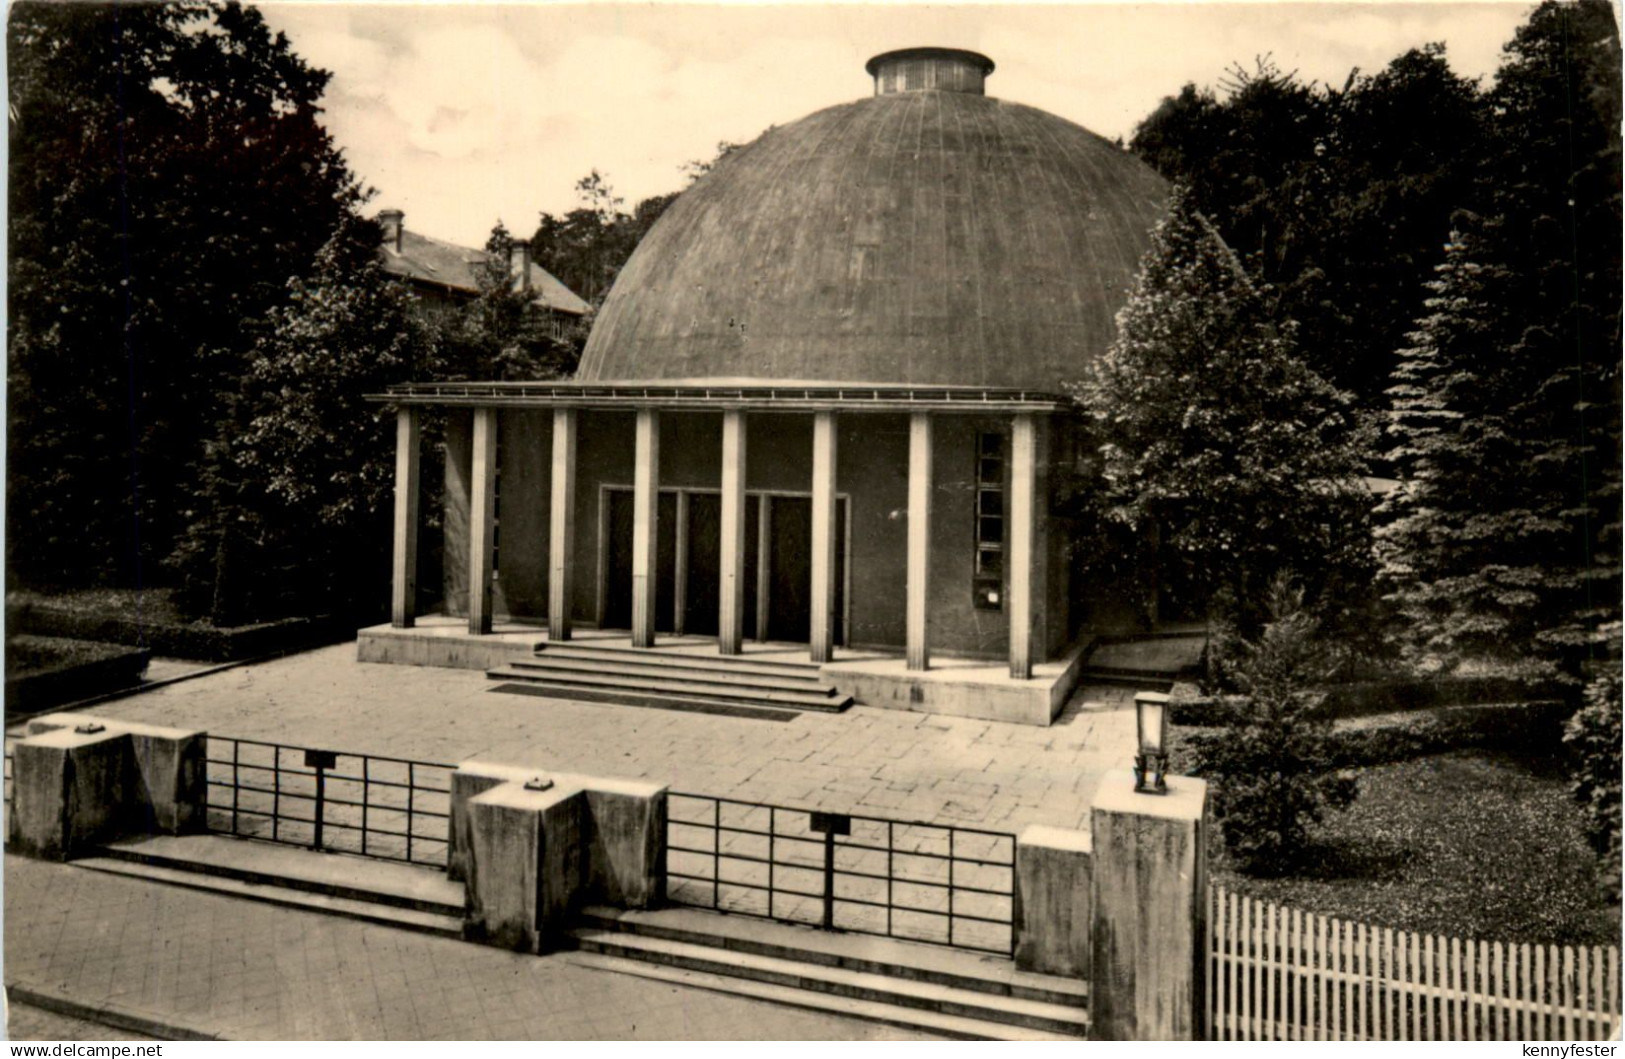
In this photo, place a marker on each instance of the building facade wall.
(871, 470)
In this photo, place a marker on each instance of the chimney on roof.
(929, 69)
(392, 222)
(522, 251)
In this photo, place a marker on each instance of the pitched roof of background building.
(447, 264)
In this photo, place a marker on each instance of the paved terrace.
(880, 762)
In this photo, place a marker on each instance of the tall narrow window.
(989, 575)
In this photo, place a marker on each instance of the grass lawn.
(1473, 844)
(27, 655)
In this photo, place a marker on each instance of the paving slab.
(961, 770)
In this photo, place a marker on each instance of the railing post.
(829, 879)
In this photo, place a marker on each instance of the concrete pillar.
(679, 585)
(1054, 901)
(524, 868)
(482, 514)
(916, 637)
(561, 535)
(73, 789)
(590, 840)
(822, 639)
(731, 608)
(764, 564)
(645, 511)
(1023, 487)
(404, 581)
(1150, 910)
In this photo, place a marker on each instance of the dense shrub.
(1594, 735)
(1271, 765)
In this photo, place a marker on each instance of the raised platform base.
(957, 687)
(963, 687)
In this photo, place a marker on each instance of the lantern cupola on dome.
(929, 69)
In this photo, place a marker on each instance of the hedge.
(1519, 726)
(173, 639)
(42, 671)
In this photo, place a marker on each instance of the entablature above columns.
(764, 397)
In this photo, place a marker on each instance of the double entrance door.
(688, 560)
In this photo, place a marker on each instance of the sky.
(465, 114)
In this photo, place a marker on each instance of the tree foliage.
(1271, 766)
(1334, 197)
(1503, 540)
(1594, 736)
(168, 174)
(1211, 428)
(297, 492)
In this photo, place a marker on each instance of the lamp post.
(1151, 763)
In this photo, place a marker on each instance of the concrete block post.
(1150, 910)
(68, 791)
(625, 845)
(1054, 901)
(529, 863)
(72, 789)
(524, 869)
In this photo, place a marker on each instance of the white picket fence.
(1277, 973)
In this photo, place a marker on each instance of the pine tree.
(1212, 429)
(1503, 541)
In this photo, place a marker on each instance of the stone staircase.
(409, 896)
(927, 987)
(672, 679)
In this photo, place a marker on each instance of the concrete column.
(1023, 487)
(919, 540)
(764, 567)
(1150, 910)
(561, 535)
(1054, 901)
(482, 513)
(823, 537)
(731, 608)
(404, 581)
(679, 581)
(645, 512)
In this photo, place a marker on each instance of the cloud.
(461, 114)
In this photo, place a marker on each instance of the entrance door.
(789, 569)
(788, 573)
(618, 562)
(703, 598)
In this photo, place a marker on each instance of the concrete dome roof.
(930, 237)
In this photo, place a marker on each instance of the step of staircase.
(952, 1026)
(902, 983)
(682, 659)
(1149, 680)
(410, 896)
(672, 679)
(549, 663)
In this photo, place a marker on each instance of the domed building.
(823, 405)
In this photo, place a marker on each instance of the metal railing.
(386, 807)
(912, 880)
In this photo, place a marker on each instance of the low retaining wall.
(981, 690)
(426, 647)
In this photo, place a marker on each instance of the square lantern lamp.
(1151, 762)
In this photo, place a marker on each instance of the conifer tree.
(1503, 540)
